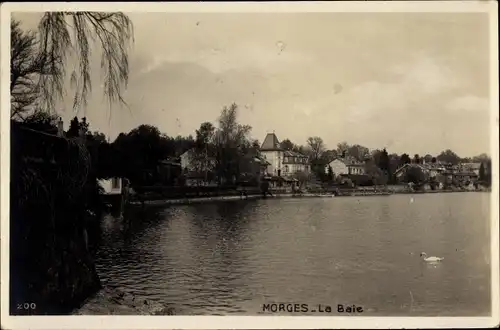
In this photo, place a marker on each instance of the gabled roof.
(348, 161)
(270, 143)
(473, 166)
(401, 168)
(290, 153)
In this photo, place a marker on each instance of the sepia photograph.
(250, 165)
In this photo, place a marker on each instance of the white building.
(473, 167)
(111, 186)
(282, 162)
(345, 166)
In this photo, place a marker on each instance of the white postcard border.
(247, 322)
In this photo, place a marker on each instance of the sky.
(410, 82)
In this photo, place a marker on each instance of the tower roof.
(271, 142)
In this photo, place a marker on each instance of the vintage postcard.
(265, 165)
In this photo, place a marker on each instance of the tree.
(428, 158)
(405, 159)
(434, 160)
(482, 158)
(112, 31)
(416, 175)
(138, 154)
(487, 171)
(342, 148)
(329, 155)
(256, 144)
(204, 148)
(383, 162)
(299, 149)
(205, 135)
(316, 147)
(394, 163)
(76, 127)
(231, 144)
(97, 137)
(330, 173)
(416, 159)
(481, 172)
(302, 178)
(448, 156)
(286, 144)
(41, 121)
(376, 175)
(359, 152)
(26, 67)
(182, 144)
(375, 155)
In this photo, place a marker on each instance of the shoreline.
(199, 200)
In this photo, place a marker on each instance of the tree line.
(379, 164)
(137, 155)
(222, 152)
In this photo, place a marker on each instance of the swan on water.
(430, 259)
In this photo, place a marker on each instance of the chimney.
(60, 127)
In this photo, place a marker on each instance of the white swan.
(430, 259)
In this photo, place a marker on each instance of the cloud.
(427, 74)
(416, 84)
(405, 111)
(242, 56)
(469, 103)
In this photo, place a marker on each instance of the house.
(169, 170)
(112, 191)
(111, 186)
(434, 169)
(472, 167)
(252, 167)
(282, 162)
(294, 162)
(465, 176)
(345, 166)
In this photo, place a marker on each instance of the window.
(286, 168)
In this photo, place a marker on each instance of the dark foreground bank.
(52, 268)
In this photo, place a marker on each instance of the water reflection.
(232, 257)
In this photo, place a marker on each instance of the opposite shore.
(288, 195)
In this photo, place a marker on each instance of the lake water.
(233, 257)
